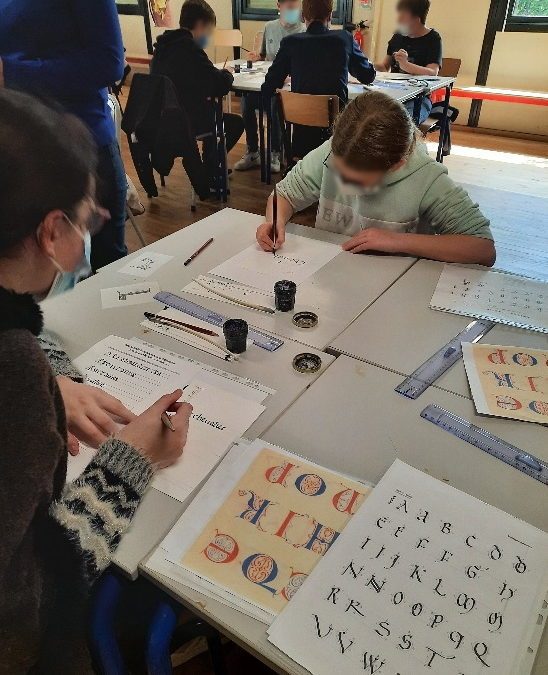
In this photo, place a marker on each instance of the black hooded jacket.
(177, 56)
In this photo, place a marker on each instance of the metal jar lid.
(305, 319)
(307, 363)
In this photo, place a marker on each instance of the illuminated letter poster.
(280, 518)
(508, 381)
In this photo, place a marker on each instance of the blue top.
(69, 50)
(318, 62)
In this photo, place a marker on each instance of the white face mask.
(352, 190)
(66, 281)
(403, 29)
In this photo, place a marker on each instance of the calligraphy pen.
(155, 318)
(152, 317)
(274, 219)
(237, 301)
(166, 419)
(197, 253)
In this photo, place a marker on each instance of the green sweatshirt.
(419, 197)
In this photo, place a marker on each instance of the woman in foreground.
(56, 538)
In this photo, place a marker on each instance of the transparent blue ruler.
(492, 445)
(434, 367)
(263, 340)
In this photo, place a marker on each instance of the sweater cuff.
(126, 463)
(58, 359)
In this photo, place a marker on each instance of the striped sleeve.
(58, 359)
(96, 509)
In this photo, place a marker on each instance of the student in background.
(179, 54)
(413, 49)
(56, 538)
(318, 62)
(71, 52)
(376, 184)
(289, 22)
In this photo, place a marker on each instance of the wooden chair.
(227, 37)
(449, 68)
(305, 110)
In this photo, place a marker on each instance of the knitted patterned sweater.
(55, 538)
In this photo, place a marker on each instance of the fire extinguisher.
(361, 28)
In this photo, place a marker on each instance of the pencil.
(259, 308)
(224, 66)
(150, 316)
(197, 253)
(274, 219)
(159, 319)
(166, 421)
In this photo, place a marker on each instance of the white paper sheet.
(420, 565)
(145, 264)
(134, 294)
(496, 296)
(228, 287)
(298, 259)
(218, 419)
(138, 373)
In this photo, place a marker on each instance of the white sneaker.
(248, 161)
(275, 162)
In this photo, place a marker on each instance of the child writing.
(55, 538)
(377, 185)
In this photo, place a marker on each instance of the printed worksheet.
(138, 374)
(496, 296)
(508, 381)
(424, 580)
(298, 259)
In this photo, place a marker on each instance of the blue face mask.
(291, 16)
(202, 41)
(66, 281)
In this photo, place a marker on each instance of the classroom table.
(400, 332)
(81, 322)
(337, 293)
(251, 80)
(352, 421)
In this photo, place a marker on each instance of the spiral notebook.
(495, 296)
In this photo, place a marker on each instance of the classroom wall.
(519, 59)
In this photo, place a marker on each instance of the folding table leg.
(444, 126)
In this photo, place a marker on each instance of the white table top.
(252, 80)
(337, 293)
(341, 422)
(400, 331)
(79, 319)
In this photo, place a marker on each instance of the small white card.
(145, 264)
(134, 294)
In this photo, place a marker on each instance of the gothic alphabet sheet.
(425, 579)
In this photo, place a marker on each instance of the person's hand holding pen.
(265, 232)
(159, 442)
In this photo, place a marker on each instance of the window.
(265, 10)
(527, 15)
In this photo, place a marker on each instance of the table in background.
(400, 332)
(252, 80)
(81, 322)
(351, 420)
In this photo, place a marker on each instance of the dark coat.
(196, 79)
(318, 62)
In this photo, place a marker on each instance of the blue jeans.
(109, 244)
(426, 107)
(249, 104)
